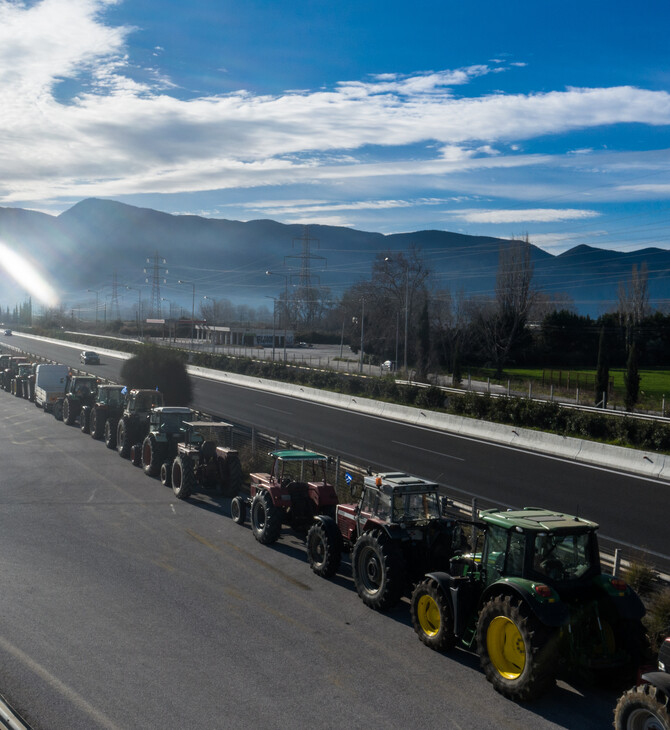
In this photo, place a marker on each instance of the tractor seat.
(208, 450)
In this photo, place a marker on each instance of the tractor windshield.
(174, 422)
(563, 556)
(415, 507)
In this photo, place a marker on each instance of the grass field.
(654, 383)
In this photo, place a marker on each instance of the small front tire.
(238, 510)
(324, 547)
(432, 616)
(641, 708)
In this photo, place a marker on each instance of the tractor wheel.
(70, 412)
(85, 419)
(98, 423)
(136, 454)
(58, 410)
(124, 438)
(153, 455)
(183, 477)
(515, 649)
(109, 432)
(238, 510)
(232, 484)
(266, 519)
(324, 548)
(432, 616)
(166, 474)
(379, 570)
(644, 707)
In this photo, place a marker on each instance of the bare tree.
(503, 321)
(633, 300)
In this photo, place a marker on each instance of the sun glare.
(27, 276)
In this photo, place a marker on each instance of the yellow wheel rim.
(506, 647)
(428, 613)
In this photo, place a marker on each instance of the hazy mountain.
(82, 248)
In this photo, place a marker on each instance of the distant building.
(242, 336)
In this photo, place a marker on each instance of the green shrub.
(657, 620)
(641, 577)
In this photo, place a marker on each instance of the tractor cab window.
(515, 554)
(173, 422)
(114, 397)
(495, 550)
(369, 501)
(415, 507)
(563, 556)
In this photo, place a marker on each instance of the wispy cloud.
(541, 215)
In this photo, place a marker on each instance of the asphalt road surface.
(123, 607)
(632, 511)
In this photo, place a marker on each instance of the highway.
(123, 607)
(631, 510)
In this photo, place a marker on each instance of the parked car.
(88, 357)
(8, 332)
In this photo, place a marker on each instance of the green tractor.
(534, 603)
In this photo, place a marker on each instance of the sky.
(479, 117)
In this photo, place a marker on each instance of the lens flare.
(25, 274)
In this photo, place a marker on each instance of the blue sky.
(486, 118)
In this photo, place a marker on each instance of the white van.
(50, 381)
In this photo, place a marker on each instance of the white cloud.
(118, 136)
(536, 215)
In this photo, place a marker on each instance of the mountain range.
(82, 251)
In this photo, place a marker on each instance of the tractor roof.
(173, 409)
(298, 455)
(537, 520)
(388, 481)
(110, 387)
(208, 424)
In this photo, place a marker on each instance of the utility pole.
(155, 310)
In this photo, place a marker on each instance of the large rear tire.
(153, 455)
(324, 547)
(85, 419)
(644, 707)
(515, 649)
(266, 519)
(124, 438)
(70, 412)
(98, 422)
(109, 433)
(183, 477)
(232, 484)
(432, 616)
(379, 570)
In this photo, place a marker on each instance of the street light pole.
(360, 365)
(192, 283)
(139, 308)
(213, 331)
(275, 273)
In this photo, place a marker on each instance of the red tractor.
(396, 533)
(287, 495)
(204, 461)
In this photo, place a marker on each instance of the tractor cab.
(539, 545)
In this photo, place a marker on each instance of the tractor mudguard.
(325, 519)
(626, 604)
(658, 679)
(462, 596)
(550, 611)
